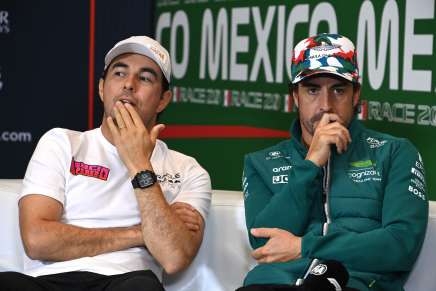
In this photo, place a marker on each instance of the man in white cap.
(338, 206)
(108, 208)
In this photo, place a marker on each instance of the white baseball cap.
(142, 45)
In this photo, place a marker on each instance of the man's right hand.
(328, 132)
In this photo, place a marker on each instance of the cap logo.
(319, 270)
(158, 53)
(326, 47)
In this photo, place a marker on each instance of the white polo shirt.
(84, 172)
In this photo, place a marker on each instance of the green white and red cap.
(325, 54)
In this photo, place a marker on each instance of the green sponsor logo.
(363, 164)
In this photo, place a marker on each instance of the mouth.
(126, 100)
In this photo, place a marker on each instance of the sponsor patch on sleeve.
(417, 184)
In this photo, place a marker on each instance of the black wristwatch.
(144, 179)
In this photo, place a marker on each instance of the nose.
(325, 100)
(129, 83)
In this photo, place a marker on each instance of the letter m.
(214, 48)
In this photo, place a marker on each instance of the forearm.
(289, 208)
(165, 235)
(389, 249)
(56, 241)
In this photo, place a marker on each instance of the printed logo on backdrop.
(398, 112)
(4, 22)
(234, 98)
(15, 137)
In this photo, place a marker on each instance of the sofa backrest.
(224, 256)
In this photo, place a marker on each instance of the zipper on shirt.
(325, 195)
(325, 200)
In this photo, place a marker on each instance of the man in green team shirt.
(335, 190)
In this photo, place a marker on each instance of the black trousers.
(78, 281)
(273, 287)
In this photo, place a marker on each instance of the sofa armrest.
(11, 250)
(421, 277)
(224, 256)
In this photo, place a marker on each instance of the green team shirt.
(376, 202)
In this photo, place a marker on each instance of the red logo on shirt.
(95, 171)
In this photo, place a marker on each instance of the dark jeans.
(78, 281)
(272, 287)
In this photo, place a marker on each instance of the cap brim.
(309, 73)
(135, 48)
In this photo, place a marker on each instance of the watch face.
(145, 180)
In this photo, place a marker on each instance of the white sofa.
(223, 259)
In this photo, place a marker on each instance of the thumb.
(155, 131)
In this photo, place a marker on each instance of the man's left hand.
(282, 246)
(189, 215)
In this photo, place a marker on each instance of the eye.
(119, 73)
(145, 78)
(312, 90)
(339, 90)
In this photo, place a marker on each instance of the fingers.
(333, 132)
(263, 232)
(188, 215)
(259, 254)
(325, 119)
(282, 246)
(123, 115)
(112, 127)
(134, 116)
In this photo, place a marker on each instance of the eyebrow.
(142, 70)
(310, 84)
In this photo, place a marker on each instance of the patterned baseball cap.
(325, 53)
(142, 45)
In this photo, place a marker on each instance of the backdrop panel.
(51, 57)
(231, 62)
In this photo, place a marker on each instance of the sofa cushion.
(224, 256)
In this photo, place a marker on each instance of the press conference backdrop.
(51, 56)
(230, 64)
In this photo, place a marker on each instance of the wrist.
(138, 167)
(315, 161)
(136, 232)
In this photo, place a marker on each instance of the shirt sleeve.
(196, 188)
(45, 172)
(287, 209)
(396, 244)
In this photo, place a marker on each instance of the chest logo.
(94, 171)
(280, 179)
(364, 171)
(375, 143)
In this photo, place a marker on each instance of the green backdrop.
(231, 65)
